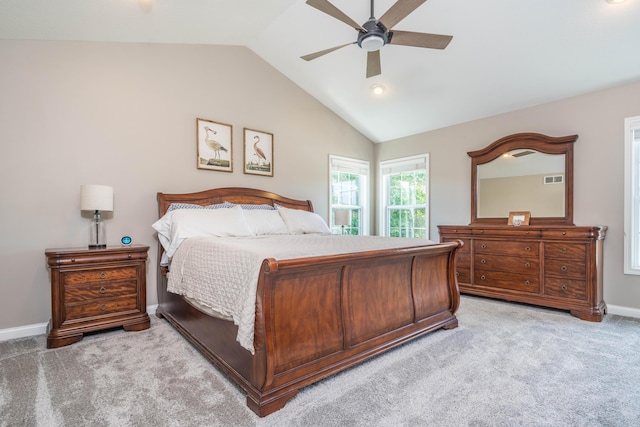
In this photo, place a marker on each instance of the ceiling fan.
(374, 34)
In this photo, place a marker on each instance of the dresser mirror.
(523, 172)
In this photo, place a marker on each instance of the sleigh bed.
(315, 316)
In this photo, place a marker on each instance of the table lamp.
(96, 198)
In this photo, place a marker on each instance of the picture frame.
(214, 144)
(519, 218)
(258, 152)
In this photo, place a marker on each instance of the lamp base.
(97, 246)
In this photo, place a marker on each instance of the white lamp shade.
(342, 217)
(96, 198)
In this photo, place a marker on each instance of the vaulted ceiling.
(505, 54)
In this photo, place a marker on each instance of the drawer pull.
(103, 275)
(527, 265)
(129, 256)
(103, 290)
(73, 260)
(482, 277)
(457, 273)
(564, 287)
(564, 250)
(564, 233)
(103, 307)
(481, 231)
(528, 248)
(527, 282)
(564, 268)
(483, 261)
(484, 246)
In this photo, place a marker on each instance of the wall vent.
(554, 179)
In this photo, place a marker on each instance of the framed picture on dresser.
(519, 218)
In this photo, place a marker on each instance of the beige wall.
(124, 115)
(598, 119)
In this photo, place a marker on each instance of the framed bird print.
(258, 152)
(214, 145)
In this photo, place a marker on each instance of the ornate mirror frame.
(533, 141)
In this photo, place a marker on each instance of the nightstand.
(96, 289)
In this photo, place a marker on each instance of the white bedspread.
(222, 272)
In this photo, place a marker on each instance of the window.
(349, 187)
(632, 196)
(404, 206)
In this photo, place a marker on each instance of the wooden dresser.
(548, 265)
(95, 289)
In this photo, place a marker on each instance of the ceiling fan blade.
(315, 55)
(331, 10)
(373, 63)
(409, 38)
(399, 11)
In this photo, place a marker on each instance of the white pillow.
(303, 222)
(263, 222)
(181, 224)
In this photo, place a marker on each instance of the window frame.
(632, 195)
(355, 167)
(395, 166)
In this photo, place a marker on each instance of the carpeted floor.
(505, 365)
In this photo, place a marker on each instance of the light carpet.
(505, 365)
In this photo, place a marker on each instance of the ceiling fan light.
(377, 89)
(372, 43)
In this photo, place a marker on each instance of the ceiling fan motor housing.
(374, 37)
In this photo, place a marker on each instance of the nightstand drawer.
(92, 292)
(83, 277)
(100, 307)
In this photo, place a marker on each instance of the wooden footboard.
(318, 316)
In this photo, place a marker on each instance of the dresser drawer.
(565, 268)
(463, 275)
(505, 280)
(565, 250)
(104, 275)
(524, 265)
(100, 307)
(95, 291)
(500, 247)
(565, 288)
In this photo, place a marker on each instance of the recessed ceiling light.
(615, 1)
(377, 89)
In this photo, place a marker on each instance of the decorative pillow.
(303, 222)
(263, 222)
(174, 206)
(181, 224)
(251, 207)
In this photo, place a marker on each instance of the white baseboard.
(41, 328)
(23, 331)
(623, 311)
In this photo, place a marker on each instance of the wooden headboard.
(236, 195)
